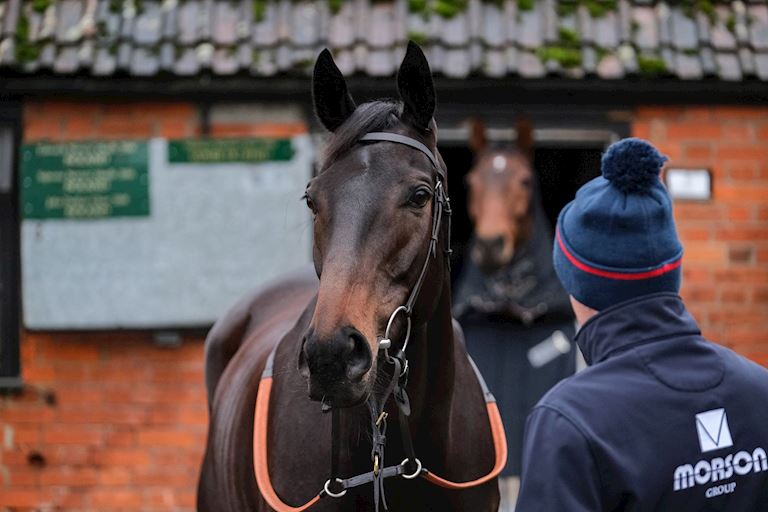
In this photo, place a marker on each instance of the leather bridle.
(411, 467)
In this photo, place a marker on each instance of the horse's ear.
(333, 103)
(524, 130)
(478, 140)
(414, 83)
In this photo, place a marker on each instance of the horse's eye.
(420, 197)
(310, 203)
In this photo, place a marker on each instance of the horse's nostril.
(496, 244)
(359, 359)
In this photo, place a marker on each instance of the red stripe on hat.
(625, 276)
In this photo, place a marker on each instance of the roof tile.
(688, 66)
(758, 30)
(684, 35)
(225, 18)
(147, 28)
(728, 66)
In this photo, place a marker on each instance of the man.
(662, 419)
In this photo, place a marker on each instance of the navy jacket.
(662, 420)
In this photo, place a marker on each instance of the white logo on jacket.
(715, 434)
(712, 427)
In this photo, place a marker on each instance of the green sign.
(215, 151)
(85, 180)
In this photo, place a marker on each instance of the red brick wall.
(725, 267)
(119, 423)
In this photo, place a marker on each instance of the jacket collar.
(634, 322)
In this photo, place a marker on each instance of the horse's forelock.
(368, 117)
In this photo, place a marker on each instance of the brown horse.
(376, 222)
(500, 188)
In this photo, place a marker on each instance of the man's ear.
(414, 83)
(333, 103)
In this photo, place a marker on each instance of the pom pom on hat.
(632, 165)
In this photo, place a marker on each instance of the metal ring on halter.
(338, 494)
(415, 473)
(407, 330)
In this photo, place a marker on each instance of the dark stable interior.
(560, 171)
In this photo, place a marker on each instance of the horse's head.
(500, 188)
(372, 203)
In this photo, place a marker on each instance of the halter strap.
(408, 141)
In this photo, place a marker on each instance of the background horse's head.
(500, 188)
(372, 206)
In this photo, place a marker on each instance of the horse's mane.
(369, 117)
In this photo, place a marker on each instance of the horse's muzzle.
(336, 368)
(491, 254)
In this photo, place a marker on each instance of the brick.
(698, 154)
(704, 252)
(733, 295)
(26, 434)
(77, 435)
(123, 457)
(685, 212)
(710, 131)
(698, 113)
(741, 152)
(115, 499)
(740, 113)
(642, 130)
(698, 294)
(111, 129)
(742, 233)
(258, 130)
(69, 477)
(747, 275)
(173, 129)
(762, 255)
(741, 254)
(115, 477)
(762, 132)
(694, 234)
(741, 132)
(24, 477)
(78, 128)
(740, 213)
(24, 498)
(660, 112)
(741, 170)
(38, 414)
(761, 295)
(168, 437)
(741, 192)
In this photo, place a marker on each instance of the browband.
(408, 141)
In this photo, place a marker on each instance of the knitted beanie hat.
(617, 239)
